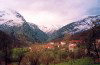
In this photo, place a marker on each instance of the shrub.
(18, 52)
(47, 57)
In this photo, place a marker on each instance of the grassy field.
(83, 61)
(73, 64)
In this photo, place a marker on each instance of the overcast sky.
(53, 12)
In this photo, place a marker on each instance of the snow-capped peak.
(49, 30)
(10, 17)
(87, 23)
(81, 25)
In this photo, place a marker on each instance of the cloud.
(62, 12)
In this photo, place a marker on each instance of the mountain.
(14, 24)
(49, 30)
(77, 27)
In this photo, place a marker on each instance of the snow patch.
(10, 18)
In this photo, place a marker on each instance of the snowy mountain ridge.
(84, 24)
(49, 30)
(12, 23)
(11, 18)
(78, 26)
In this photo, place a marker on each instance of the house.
(49, 45)
(72, 46)
(62, 43)
(76, 41)
(58, 44)
(98, 44)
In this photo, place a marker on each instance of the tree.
(91, 39)
(31, 58)
(47, 57)
(5, 46)
(18, 54)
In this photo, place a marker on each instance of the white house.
(72, 47)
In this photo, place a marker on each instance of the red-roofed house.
(49, 46)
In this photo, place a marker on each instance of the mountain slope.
(76, 27)
(16, 26)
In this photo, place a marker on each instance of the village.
(71, 46)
